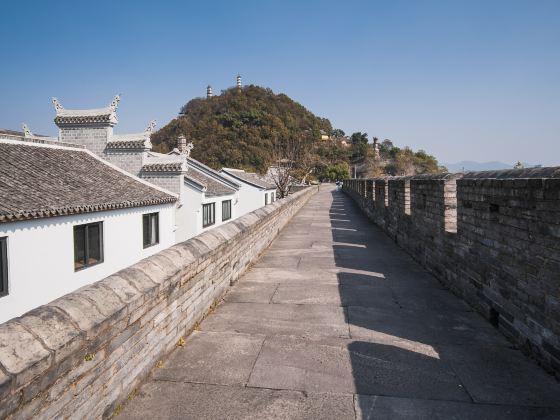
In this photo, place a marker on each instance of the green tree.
(359, 138)
(337, 133)
(332, 173)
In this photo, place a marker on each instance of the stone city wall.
(493, 238)
(83, 354)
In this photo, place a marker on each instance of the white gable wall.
(189, 218)
(251, 198)
(41, 253)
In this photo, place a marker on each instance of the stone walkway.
(336, 322)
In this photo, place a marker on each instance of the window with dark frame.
(265, 199)
(226, 210)
(88, 245)
(3, 266)
(208, 214)
(150, 229)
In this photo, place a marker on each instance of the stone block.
(55, 329)
(21, 354)
(82, 311)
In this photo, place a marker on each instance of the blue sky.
(463, 80)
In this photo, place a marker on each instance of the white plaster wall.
(189, 218)
(250, 197)
(41, 254)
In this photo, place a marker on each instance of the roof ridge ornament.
(26, 131)
(186, 152)
(115, 103)
(57, 105)
(150, 127)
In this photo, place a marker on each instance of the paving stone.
(334, 365)
(373, 407)
(502, 376)
(250, 291)
(274, 319)
(304, 293)
(287, 275)
(201, 401)
(368, 295)
(278, 262)
(212, 358)
(429, 327)
(428, 298)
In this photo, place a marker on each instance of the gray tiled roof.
(249, 177)
(130, 141)
(214, 188)
(39, 181)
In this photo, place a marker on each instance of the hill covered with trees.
(240, 128)
(253, 128)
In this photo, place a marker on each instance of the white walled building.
(254, 192)
(219, 197)
(68, 219)
(206, 199)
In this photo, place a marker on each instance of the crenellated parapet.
(492, 237)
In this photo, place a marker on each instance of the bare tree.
(307, 163)
(285, 155)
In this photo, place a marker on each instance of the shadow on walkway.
(416, 350)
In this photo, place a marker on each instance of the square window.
(88, 245)
(150, 229)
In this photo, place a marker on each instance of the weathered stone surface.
(212, 358)
(55, 329)
(126, 292)
(5, 384)
(300, 294)
(501, 375)
(380, 407)
(289, 275)
(430, 327)
(302, 320)
(21, 354)
(202, 401)
(347, 366)
(82, 311)
(254, 292)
